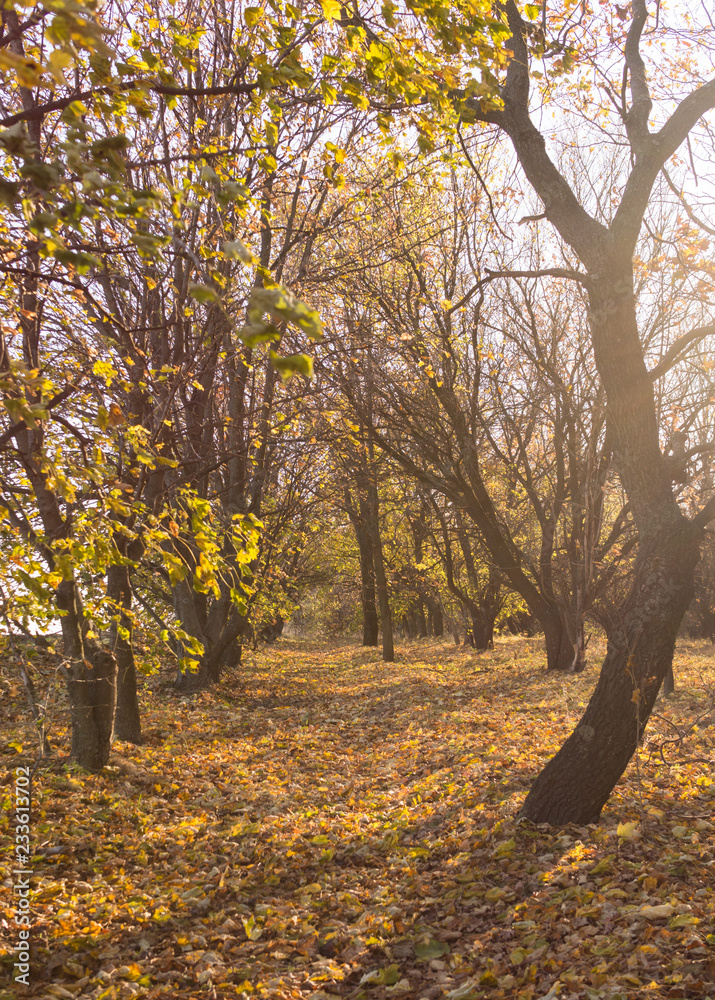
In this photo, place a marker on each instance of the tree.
(576, 783)
(482, 597)
(489, 395)
(80, 359)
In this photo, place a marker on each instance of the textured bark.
(437, 620)
(91, 676)
(92, 689)
(127, 720)
(388, 647)
(481, 634)
(370, 621)
(560, 647)
(669, 682)
(576, 783)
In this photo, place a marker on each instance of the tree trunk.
(437, 620)
(127, 720)
(91, 676)
(219, 632)
(669, 682)
(576, 783)
(421, 619)
(559, 644)
(370, 620)
(388, 648)
(579, 650)
(482, 629)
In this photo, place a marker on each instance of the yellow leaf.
(661, 912)
(331, 9)
(313, 889)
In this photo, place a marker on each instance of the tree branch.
(636, 120)
(672, 355)
(688, 209)
(581, 231)
(545, 272)
(14, 36)
(39, 111)
(627, 221)
(706, 515)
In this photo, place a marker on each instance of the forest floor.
(328, 826)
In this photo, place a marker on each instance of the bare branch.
(629, 216)
(484, 187)
(545, 272)
(14, 36)
(581, 231)
(636, 120)
(688, 210)
(678, 348)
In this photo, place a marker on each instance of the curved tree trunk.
(576, 783)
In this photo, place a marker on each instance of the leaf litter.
(326, 825)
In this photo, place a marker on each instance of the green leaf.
(391, 975)
(425, 950)
(292, 364)
(330, 93)
(281, 304)
(252, 15)
(381, 977)
(271, 131)
(259, 333)
(9, 193)
(204, 294)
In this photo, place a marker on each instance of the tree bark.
(91, 676)
(388, 647)
(669, 682)
(561, 650)
(482, 630)
(576, 783)
(437, 619)
(370, 620)
(127, 720)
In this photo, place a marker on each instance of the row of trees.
(264, 283)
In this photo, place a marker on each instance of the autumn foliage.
(330, 826)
